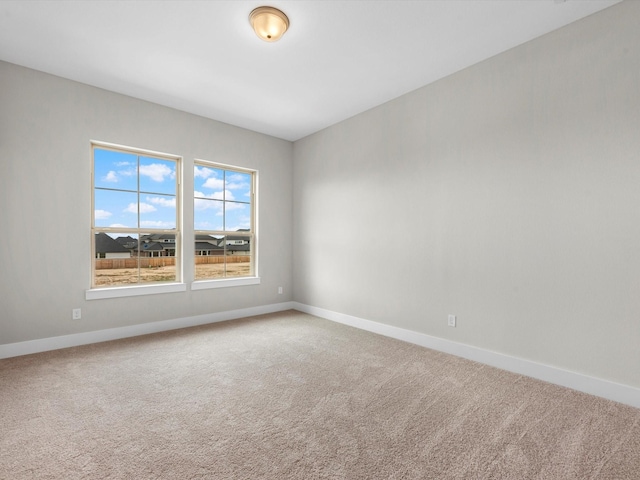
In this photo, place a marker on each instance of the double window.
(137, 212)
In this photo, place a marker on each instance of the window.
(224, 222)
(135, 224)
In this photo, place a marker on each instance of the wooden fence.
(146, 262)
(207, 259)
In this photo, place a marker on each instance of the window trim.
(98, 292)
(134, 290)
(224, 283)
(254, 277)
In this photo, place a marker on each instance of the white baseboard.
(76, 339)
(591, 385)
(576, 381)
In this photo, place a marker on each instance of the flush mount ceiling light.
(269, 23)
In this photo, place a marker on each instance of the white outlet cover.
(451, 320)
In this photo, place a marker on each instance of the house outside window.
(135, 217)
(224, 221)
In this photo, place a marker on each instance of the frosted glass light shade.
(269, 23)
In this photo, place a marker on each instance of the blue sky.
(222, 197)
(116, 194)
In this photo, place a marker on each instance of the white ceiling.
(339, 58)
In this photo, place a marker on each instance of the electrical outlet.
(280, 290)
(76, 314)
(451, 320)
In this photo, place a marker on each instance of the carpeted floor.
(291, 396)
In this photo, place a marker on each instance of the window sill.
(132, 291)
(227, 282)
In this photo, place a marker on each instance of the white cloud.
(214, 183)
(156, 171)
(237, 181)
(144, 208)
(129, 172)
(101, 214)
(163, 201)
(236, 177)
(235, 206)
(203, 172)
(111, 177)
(157, 224)
(236, 186)
(202, 204)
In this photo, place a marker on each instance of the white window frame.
(144, 288)
(253, 278)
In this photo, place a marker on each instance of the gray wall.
(507, 194)
(46, 124)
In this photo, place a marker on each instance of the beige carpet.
(291, 396)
